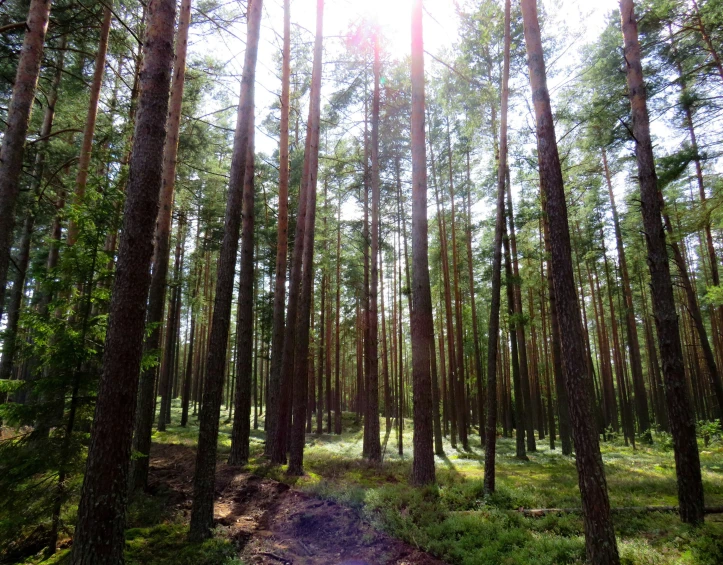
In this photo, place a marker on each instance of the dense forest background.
(375, 285)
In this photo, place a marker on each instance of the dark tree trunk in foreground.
(421, 315)
(494, 322)
(157, 293)
(204, 477)
(374, 449)
(301, 325)
(99, 534)
(18, 118)
(680, 413)
(601, 547)
(273, 396)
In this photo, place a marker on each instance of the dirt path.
(273, 524)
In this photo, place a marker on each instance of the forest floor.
(345, 511)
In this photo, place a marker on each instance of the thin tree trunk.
(322, 346)
(86, 147)
(475, 330)
(520, 416)
(682, 424)
(371, 424)
(157, 294)
(451, 375)
(166, 380)
(493, 332)
(337, 341)
(601, 547)
(204, 477)
(99, 534)
(563, 407)
(421, 314)
(717, 62)
(301, 321)
(18, 118)
(529, 408)
(462, 412)
(241, 430)
(641, 400)
(273, 396)
(15, 303)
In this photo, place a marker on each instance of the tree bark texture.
(204, 477)
(99, 534)
(421, 315)
(680, 413)
(495, 299)
(601, 547)
(18, 118)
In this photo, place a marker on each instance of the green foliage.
(165, 544)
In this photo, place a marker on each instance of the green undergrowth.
(453, 519)
(166, 544)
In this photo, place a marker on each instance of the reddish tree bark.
(421, 314)
(99, 534)
(601, 547)
(18, 118)
(273, 396)
(495, 299)
(301, 321)
(682, 420)
(157, 293)
(371, 424)
(86, 147)
(204, 477)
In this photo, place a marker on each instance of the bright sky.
(440, 32)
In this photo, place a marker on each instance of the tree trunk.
(641, 400)
(475, 330)
(337, 341)
(493, 332)
(601, 547)
(240, 433)
(167, 372)
(204, 477)
(371, 424)
(520, 415)
(157, 294)
(682, 424)
(708, 42)
(99, 534)
(562, 399)
(273, 396)
(301, 322)
(23, 260)
(18, 118)
(86, 147)
(462, 412)
(529, 408)
(421, 314)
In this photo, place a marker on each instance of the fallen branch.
(540, 512)
(272, 556)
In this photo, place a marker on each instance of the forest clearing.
(360, 282)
